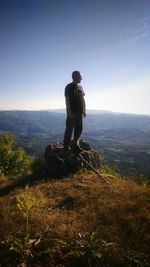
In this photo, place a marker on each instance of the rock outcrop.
(58, 163)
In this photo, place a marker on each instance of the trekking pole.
(97, 172)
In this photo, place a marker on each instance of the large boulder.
(58, 163)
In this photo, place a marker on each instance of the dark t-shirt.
(75, 93)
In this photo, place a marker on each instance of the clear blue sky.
(42, 42)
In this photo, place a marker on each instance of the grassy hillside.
(76, 221)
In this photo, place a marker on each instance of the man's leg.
(68, 132)
(78, 126)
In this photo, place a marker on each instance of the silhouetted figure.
(75, 107)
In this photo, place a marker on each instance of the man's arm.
(84, 107)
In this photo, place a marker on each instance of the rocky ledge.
(59, 163)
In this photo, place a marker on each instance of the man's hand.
(70, 115)
(84, 114)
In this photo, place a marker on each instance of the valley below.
(123, 140)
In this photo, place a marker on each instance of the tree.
(12, 161)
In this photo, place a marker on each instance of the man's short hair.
(75, 73)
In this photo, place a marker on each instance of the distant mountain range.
(89, 111)
(123, 139)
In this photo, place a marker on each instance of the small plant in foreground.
(22, 248)
(25, 203)
(19, 246)
(86, 250)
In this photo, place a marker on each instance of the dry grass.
(119, 213)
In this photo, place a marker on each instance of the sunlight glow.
(130, 99)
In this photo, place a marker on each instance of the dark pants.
(76, 124)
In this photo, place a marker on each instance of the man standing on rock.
(75, 107)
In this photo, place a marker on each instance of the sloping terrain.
(76, 221)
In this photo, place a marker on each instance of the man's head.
(76, 76)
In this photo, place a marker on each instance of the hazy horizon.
(89, 111)
(43, 41)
